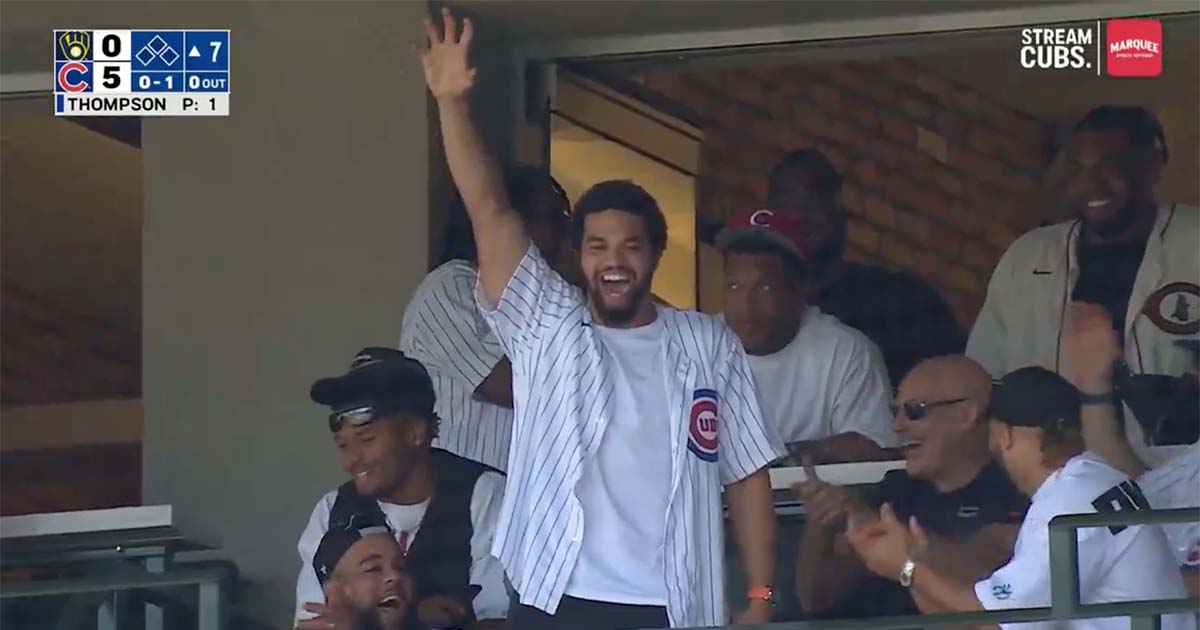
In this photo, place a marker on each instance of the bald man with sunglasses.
(949, 481)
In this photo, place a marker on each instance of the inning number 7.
(216, 46)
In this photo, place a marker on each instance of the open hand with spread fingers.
(448, 71)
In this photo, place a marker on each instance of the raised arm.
(499, 232)
(1091, 349)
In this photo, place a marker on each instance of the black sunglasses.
(917, 409)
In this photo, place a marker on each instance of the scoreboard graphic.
(141, 72)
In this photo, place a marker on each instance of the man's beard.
(622, 314)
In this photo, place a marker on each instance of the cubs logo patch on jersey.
(702, 425)
(1175, 308)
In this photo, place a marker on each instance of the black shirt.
(1106, 275)
(990, 498)
(902, 314)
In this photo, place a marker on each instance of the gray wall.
(277, 242)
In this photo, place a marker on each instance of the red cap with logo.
(765, 226)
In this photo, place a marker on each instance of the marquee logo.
(1134, 48)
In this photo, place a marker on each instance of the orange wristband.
(765, 593)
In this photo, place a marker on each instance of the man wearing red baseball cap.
(822, 384)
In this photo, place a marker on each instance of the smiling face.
(930, 441)
(1105, 180)
(374, 581)
(618, 262)
(939, 439)
(381, 454)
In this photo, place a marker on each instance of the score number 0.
(110, 76)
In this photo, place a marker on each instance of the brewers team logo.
(702, 425)
(75, 45)
(1175, 308)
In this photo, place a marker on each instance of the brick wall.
(938, 179)
(51, 355)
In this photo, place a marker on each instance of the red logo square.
(1134, 48)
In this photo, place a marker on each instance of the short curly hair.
(626, 196)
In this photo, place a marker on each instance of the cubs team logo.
(1175, 308)
(702, 425)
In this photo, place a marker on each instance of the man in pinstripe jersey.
(628, 416)
(444, 330)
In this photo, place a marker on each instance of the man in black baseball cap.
(1035, 425)
(362, 572)
(381, 383)
(441, 508)
(1036, 434)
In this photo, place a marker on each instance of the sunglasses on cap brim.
(918, 409)
(356, 417)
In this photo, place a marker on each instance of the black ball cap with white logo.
(1036, 397)
(381, 378)
(340, 538)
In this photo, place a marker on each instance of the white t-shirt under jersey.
(829, 380)
(624, 485)
(405, 522)
(564, 399)
(1115, 564)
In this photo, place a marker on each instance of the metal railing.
(1064, 587)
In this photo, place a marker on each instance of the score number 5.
(112, 77)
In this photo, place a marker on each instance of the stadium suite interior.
(167, 288)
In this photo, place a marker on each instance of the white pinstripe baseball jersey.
(444, 330)
(563, 400)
